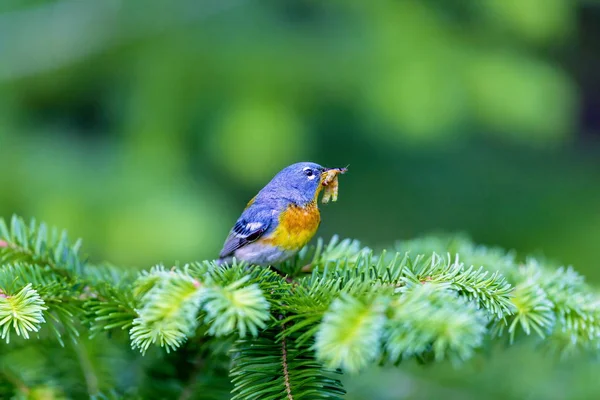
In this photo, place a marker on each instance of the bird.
(282, 218)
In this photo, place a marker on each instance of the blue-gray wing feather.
(252, 224)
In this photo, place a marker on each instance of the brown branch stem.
(284, 361)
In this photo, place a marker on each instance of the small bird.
(282, 217)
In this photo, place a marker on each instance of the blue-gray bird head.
(298, 183)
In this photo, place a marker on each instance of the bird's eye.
(308, 172)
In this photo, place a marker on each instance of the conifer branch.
(284, 361)
(259, 372)
(36, 245)
(346, 308)
(18, 383)
(91, 381)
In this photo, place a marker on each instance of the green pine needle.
(350, 335)
(432, 317)
(23, 312)
(235, 308)
(169, 311)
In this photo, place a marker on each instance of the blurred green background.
(144, 126)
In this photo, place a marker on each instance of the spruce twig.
(430, 299)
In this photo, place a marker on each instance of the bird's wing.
(251, 225)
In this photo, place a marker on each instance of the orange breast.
(297, 225)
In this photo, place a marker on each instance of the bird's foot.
(307, 268)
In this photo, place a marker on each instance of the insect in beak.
(330, 182)
(330, 173)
